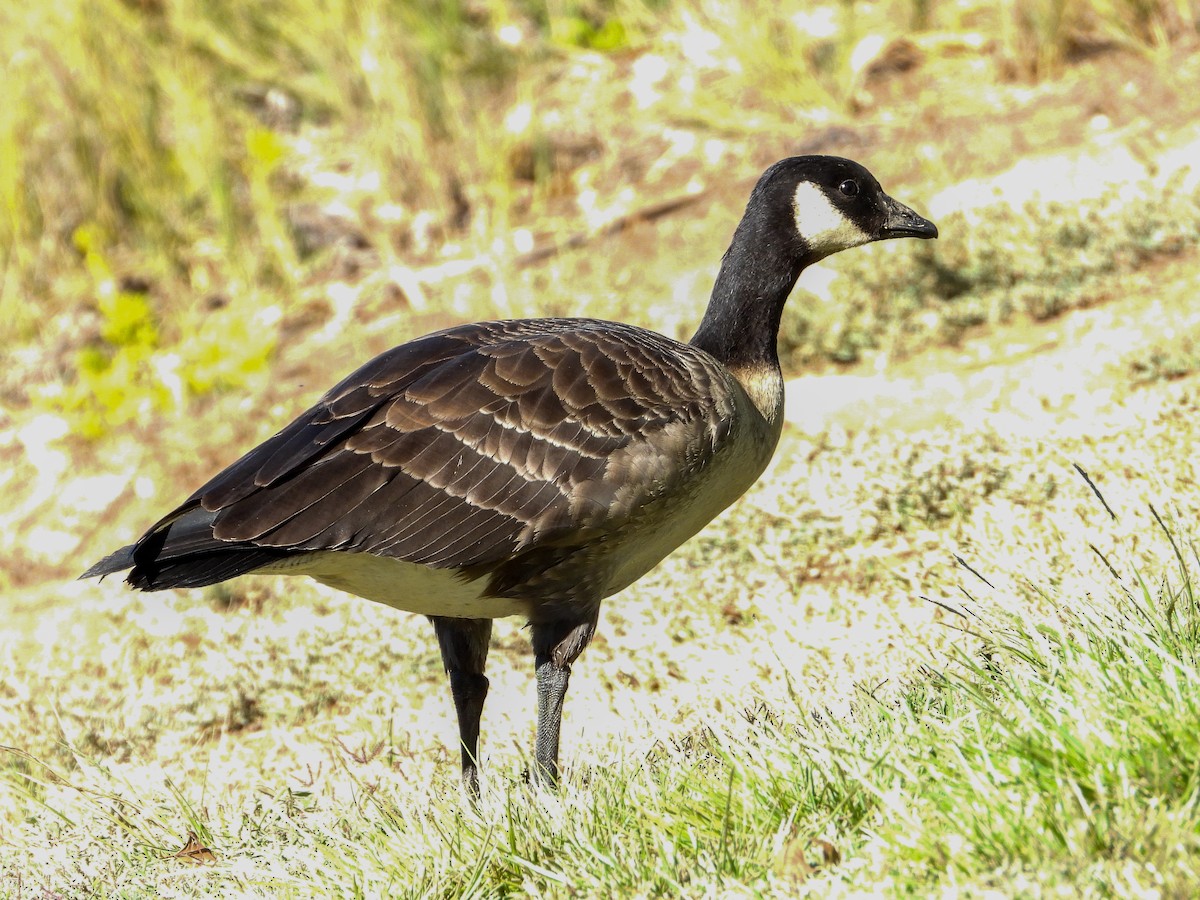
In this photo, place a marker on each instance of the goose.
(528, 467)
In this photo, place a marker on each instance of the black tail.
(181, 552)
(117, 561)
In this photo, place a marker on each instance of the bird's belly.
(411, 587)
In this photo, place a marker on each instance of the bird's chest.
(637, 540)
(668, 522)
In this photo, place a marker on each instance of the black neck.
(759, 270)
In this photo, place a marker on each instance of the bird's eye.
(849, 188)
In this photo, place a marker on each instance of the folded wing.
(460, 449)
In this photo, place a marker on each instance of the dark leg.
(464, 645)
(555, 646)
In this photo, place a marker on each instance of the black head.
(802, 210)
(834, 204)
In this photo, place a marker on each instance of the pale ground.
(812, 630)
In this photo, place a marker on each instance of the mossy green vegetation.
(125, 372)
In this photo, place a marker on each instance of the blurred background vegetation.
(176, 179)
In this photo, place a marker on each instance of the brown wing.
(474, 444)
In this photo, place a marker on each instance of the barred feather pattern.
(477, 444)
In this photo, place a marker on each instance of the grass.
(797, 719)
(738, 740)
(1033, 751)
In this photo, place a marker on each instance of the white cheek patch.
(821, 224)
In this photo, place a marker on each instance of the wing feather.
(472, 445)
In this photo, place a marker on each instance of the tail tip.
(117, 561)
